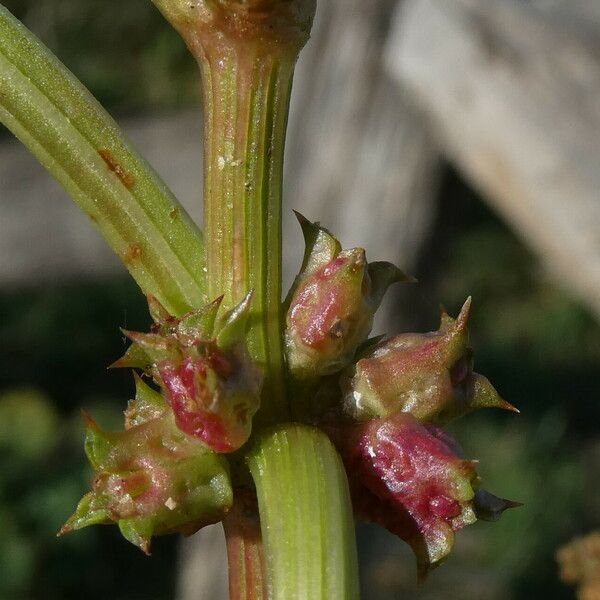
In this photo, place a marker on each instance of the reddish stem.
(245, 549)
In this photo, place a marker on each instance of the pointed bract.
(233, 325)
(200, 324)
(382, 275)
(320, 246)
(155, 346)
(489, 507)
(135, 357)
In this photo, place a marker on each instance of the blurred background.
(457, 139)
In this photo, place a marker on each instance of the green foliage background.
(539, 346)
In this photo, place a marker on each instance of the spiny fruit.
(332, 302)
(411, 478)
(429, 375)
(204, 371)
(152, 478)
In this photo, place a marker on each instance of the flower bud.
(151, 479)
(204, 371)
(429, 375)
(331, 304)
(411, 479)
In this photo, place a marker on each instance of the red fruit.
(331, 304)
(411, 479)
(206, 375)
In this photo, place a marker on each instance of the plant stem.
(245, 549)
(246, 95)
(43, 104)
(306, 515)
(246, 52)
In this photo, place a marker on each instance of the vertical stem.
(246, 92)
(246, 50)
(245, 550)
(306, 515)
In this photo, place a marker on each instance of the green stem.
(246, 52)
(306, 516)
(246, 103)
(44, 105)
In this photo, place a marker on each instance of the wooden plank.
(359, 158)
(513, 93)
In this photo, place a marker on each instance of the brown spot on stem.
(133, 252)
(174, 213)
(127, 179)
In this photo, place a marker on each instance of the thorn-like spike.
(463, 317)
(156, 347)
(201, 323)
(135, 357)
(158, 312)
(383, 274)
(307, 226)
(85, 514)
(486, 396)
(456, 333)
(233, 325)
(138, 531)
(489, 507)
(321, 246)
(148, 341)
